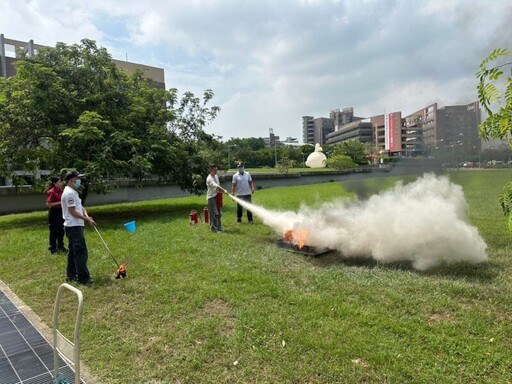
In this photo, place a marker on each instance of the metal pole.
(275, 153)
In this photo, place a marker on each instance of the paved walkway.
(26, 354)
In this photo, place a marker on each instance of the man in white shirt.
(242, 183)
(75, 216)
(212, 189)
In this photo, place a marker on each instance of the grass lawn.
(199, 307)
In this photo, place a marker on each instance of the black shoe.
(62, 250)
(71, 278)
(53, 251)
(86, 282)
(251, 222)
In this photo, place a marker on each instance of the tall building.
(10, 53)
(308, 130)
(388, 133)
(361, 130)
(315, 129)
(342, 117)
(450, 129)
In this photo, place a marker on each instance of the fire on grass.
(296, 241)
(297, 238)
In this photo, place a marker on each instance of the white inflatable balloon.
(317, 158)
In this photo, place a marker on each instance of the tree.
(340, 162)
(498, 124)
(354, 149)
(71, 107)
(284, 164)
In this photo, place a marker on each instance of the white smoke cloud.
(423, 222)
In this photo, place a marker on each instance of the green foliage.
(505, 200)
(340, 162)
(498, 124)
(254, 153)
(71, 107)
(284, 164)
(252, 143)
(354, 149)
(494, 94)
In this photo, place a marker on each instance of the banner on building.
(389, 132)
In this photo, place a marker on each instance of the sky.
(271, 62)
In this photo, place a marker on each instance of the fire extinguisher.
(220, 202)
(193, 217)
(206, 215)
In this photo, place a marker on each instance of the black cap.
(73, 174)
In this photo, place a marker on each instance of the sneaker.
(62, 250)
(86, 282)
(71, 278)
(239, 221)
(53, 251)
(251, 222)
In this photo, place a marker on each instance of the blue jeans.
(77, 255)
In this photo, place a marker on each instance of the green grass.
(199, 307)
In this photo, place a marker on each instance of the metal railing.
(68, 350)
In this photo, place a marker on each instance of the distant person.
(75, 217)
(55, 219)
(212, 189)
(244, 187)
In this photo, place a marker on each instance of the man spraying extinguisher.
(212, 189)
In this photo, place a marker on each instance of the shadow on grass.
(111, 215)
(100, 282)
(482, 273)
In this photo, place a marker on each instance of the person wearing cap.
(55, 220)
(212, 188)
(244, 187)
(75, 216)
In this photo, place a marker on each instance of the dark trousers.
(56, 226)
(239, 208)
(215, 214)
(77, 255)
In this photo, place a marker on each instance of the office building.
(450, 129)
(361, 130)
(10, 51)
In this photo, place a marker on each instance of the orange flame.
(296, 237)
(288, 235)
(121, 271)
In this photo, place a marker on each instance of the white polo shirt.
(243, 187)
(70, 198)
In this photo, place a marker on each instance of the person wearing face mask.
(244, 187)
(55, 220)
(75, 216)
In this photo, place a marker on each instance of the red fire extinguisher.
(220, 202)
(193, 217)
(206, 215)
